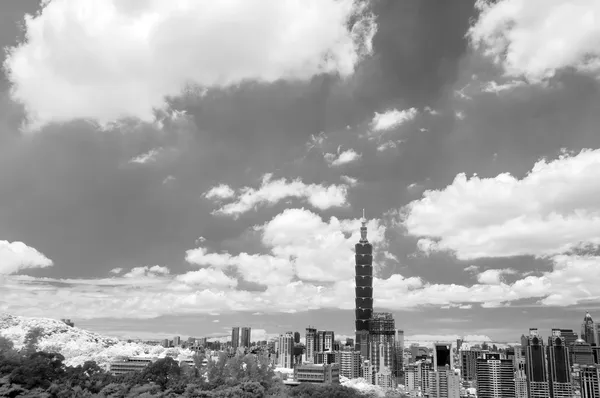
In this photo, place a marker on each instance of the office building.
(559, 368)
(495, 377)
(320, 374)
(349, 363)
(382, 344)
(468, 364)
(443, 382)
(296, 337)
(324, 358)
(131, 364)
(328, 340)
(311, 339)
(246, 337)
(383, 375)
(176, 341)
(235, 337)
(398, 352)
(596, 354)
(285, 358)
(589, 331)
(363, 290)
(589, 378)
(582, 353)
(535, 360)
(520, 376)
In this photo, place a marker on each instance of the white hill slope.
(78, 345)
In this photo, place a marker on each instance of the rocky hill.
(78, 345)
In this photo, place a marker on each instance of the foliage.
(27, 373)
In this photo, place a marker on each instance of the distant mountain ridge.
(78, 345)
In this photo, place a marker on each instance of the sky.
(179, 168)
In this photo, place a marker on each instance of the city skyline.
(164, 174)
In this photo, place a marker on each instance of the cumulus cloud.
(391, 119)
(221, 191)
(494, 276)
(349, 180)
(116, 271)
(144, 52)
(345, 157)
(297, 240)
(550, 211)
(16, 256)
(537, 38)
(207, 277)
(273, 191)
(388, 145)
(148, 157)
(493, 87)
(140, 272)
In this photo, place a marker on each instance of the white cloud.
(494, 276)
(140, 272)
(493, 87)
(471, 268)
(208, 277)
(391, 119)
(113, 59)
(16, 256)
(460, 115)
(221, 191)
(316, 141)
(550, 211)
(168, 179)
(536, 38)
(349, 180)
(348, 156)
(273, 191)
(297, 240)
(388, 145)
(115, 271)
(148, 157)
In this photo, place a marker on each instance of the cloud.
(471, 268)
(116, 271)
(148, 157)
(493, 87)
(144, 52)
(391, 119)
(349, 180)
(139, 272)
(297, 240)
(388, 145)
(273, 191)
(493, 276)
(536, 38)
(221, 191)
(207, 277)
(16, 256)
(348, 156)
(552, 210)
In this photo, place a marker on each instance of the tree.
(162, 372)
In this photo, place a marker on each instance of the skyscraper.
(285, 357)
(296, 337)
(590, 381)
(495, 377)
(381, 335)
(468, 363)
(328, 339)
(235, 337)
(559, 369)
(520, 376)
(363, 289)
(535, 359)
(311, 335)
(246, 335)
(589, 331)
(399, 352)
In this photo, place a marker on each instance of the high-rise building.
(349, 363)
(398, 352)
(328, 340)
(443, 382)
(468, 364)
(296, 337)
(520, 375)
(310, 337)
(285, 358)
(363, 290)
(176, 341)
(589, 331)
(442, 355)
(381, 333)
(559, 368)
(582, 353)
(535, 359)
(589, 376)
(246, 336)
(495, 377)
(320, 341)
(235, 337)
(383, 375)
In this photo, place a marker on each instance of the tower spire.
(363, 228)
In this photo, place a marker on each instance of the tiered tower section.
(364, 290)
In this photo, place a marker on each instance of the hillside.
(77, 345)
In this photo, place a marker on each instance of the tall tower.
(537, 373)
(235, 337)
(311, 336)
(589, 330)
(495, 377)
(246, 336)
(559, 368)
(364, 290)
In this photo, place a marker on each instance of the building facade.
(363, 290)
(382, 344)
(311, 339)
(495, 377)
(468, 364)
(589, 377)
(349, 363)
(321, 374)
(559, 368)
(399, 352)
(246, 337)
(235, 337)
(285, 358)
(589, 331)
(535, 359)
